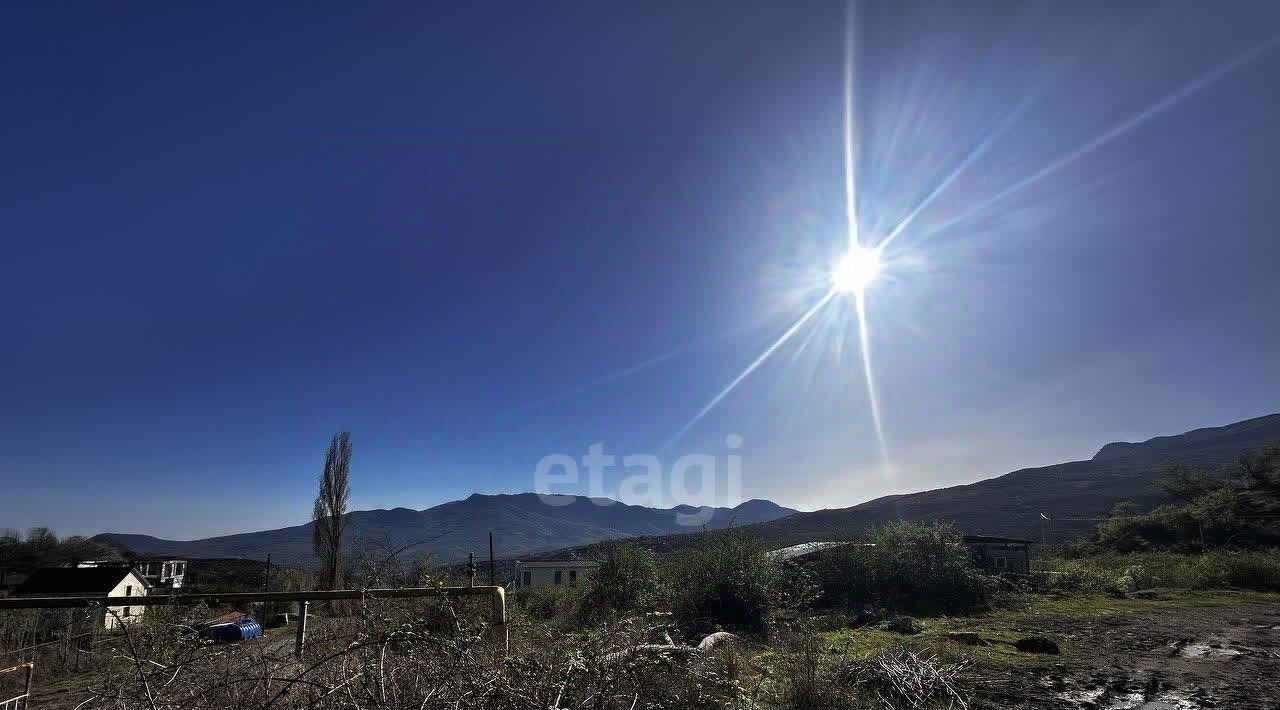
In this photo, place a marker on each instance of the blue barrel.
(249, 629)
(242, 630)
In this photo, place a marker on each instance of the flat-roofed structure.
(554, 573)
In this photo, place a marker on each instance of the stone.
(1147, 594)
(1036, 644)
(902, 625)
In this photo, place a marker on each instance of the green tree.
(626, 581)
(329, 513)
(916, 568)
(1260, 469)
(728, 582)
(1125, 509)
(1183, 483)
(1237, 506)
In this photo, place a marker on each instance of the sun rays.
(836, 311)
(850, 278)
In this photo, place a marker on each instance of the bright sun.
(856, 270)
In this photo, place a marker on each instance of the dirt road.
(1172, 659)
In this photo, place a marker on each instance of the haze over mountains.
(1011, 504)
(522, 523)
(1006, 505)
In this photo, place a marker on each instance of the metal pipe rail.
(22, 700)
(498, 595)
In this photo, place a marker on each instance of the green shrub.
(910, 568)
(550, 603)
(1218, 569)
(1069, 576)
(1254, 571)
(728, 582)
(626, 581)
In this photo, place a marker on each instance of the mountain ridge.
(522, 522)
(1011, 504)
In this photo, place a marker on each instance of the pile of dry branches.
(403, 655)
(903, 679)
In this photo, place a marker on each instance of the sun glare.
(856, 270)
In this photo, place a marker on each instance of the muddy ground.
(1172, 659)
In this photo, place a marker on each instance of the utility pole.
(493, 575)
(266, 586)
(471, 569)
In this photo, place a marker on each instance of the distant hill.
(1011, 504)
(522, 524)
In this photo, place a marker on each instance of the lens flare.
(1171, 100)
(853, 274)
(856, 270)
(750, 369)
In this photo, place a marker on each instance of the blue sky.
(475, 238)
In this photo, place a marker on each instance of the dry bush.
(413, 654)
(439, 653)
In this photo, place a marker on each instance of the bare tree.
(329, 515)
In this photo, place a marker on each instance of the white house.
(553, 573)
(119, 580)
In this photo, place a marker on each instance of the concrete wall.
(571, 574)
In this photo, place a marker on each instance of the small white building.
(119, 580)
(554, 573)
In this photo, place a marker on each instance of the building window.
(128, 590)
(527, 579)
(126, 611)
(1001, 562)
(573, 577)
(559, 577)
(179, 568)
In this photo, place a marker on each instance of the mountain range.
(1055, 503)
(1072, 495)
(522, 524)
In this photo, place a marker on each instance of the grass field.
(1002, 627)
